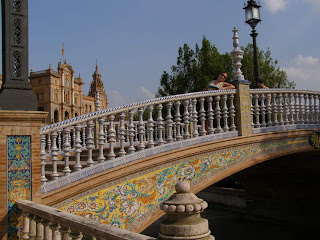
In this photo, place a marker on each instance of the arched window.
(56, 116)
(86, 109)
(66, 115)
(89, 108)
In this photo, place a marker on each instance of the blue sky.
(134, 41)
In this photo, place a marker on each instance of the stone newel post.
(242, 98)
(183, 216)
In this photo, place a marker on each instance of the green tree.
(270, 72)
(196, 68)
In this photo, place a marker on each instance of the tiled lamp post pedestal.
(20, 166)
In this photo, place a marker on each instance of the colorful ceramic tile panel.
(130, 201)
(19, 180)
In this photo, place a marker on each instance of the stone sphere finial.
(182, 187)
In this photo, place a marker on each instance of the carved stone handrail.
(45, 222)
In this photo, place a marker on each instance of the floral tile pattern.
(19, 180)
(130, 201)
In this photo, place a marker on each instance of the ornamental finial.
(236, 56)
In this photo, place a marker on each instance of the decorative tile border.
(131, 200)
(19, 180)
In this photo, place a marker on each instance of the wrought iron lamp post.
(253, 18)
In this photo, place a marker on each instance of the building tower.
(98, 84)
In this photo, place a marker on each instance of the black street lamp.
(253, 18)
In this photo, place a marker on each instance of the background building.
(60, 93)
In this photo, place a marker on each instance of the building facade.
(60, 93)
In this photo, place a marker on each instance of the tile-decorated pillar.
(242, 98)
(20, 166)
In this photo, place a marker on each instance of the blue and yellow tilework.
(19, 180)
(129, 202)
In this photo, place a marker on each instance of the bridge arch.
(128, 195)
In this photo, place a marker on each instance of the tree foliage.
(270, 72)
(196, 68)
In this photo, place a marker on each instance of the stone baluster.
(39, 228)
(275, 109)
(210, 116)
(43, 158)
(112, 138)
(225, 113)
(252, 110)
(66, 151)
(202, 118)
(90, 143)
(131, 148)
(302, 117)
(183, 216)
(169, 123)
(47, 230)
(256, 110)
(280, 109)
(160, 124)
(77, 166)
(306, 108)
(218, 114)
(32, 226)
(101, 141)
(311, 120)
(150, 127)
(122, 133)
(177, 119)
(75, 235)
(269, 110)
(65, 232)
(141, 130)
(55, 227)
(54, 153)
(263, 111)
(194, 118)
(286, 109)
(232, 113)
(49, 143)
(297, 105)
(84, 137)
(26, 226)
(291, 107)
(59, 140)
(186, 119)
(316, 111)
(87, 237)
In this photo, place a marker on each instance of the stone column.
(183, 216)
(242, 98)
(20, 165)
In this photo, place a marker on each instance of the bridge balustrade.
(107, 134)
(43, 222)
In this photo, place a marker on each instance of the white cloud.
(147, 93)
(276, 5)
(308, 60)
(304, 71)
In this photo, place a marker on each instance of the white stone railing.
(43, 222)
(279, 107)
(115, 133)
(162, 121)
